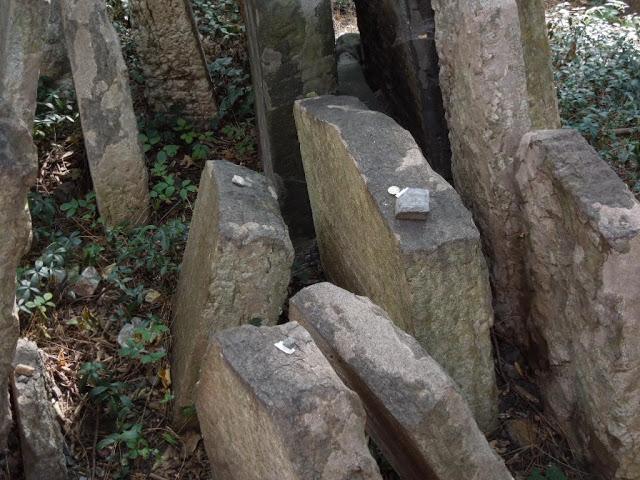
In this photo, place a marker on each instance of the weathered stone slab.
(291, 48)
(109, 123)
(236, 268)
(55, 62)
(429, 275)
(489, 106)
(18, 167)
(41, 440)
(583, 245)
(415, 413)
(22, 32)
(269, 415)
(176, 75)
(401, 59)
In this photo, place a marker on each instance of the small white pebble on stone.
(394, 191)
(283, 348)
(24, 370)
(240, 181)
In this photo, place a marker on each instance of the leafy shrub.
(596, 55)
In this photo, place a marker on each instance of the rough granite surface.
(583, 246)
(41, 440)
(22, 35)
(175, 69)
(236, 268)
(488, 102)
(431, 276)
(267, 415)
(415, 412)
(109, 123)
(292, 53)
(18, 169)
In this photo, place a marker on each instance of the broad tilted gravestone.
(583, 245)
(175, 70)
(235, 270)
(401, 59)
(41, 441)
(270, 413)
(292, 53)
(415, 413)
(18, 168)
(22, 33)
(109, 125)
(430, 276)
(490, 104)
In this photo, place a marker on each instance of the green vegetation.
(596, 56)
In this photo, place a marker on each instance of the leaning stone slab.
(583, 245)
(490, 104)
(41, 440)
(18, 168)
(55, 61)
(415, 412)
(401, 59)
(429, 275)
(236, 268)
(22, 33)
(291, 49)
(106, 110)
(175, 69)
(269, 414)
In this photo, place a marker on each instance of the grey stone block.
(292, 54)
(269, 415)
(235, 270)
(41, 440)
(413, 204)
(416, 414)
(430, 276)
(583, 259)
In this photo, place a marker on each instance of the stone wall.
(398, 39)
(583, 261)
(235, 270)
(429, 276)
(292, 53)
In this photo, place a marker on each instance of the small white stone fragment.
(413, 204)
(395, 191)
(283, 348)
(240, 181)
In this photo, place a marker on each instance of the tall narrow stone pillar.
(109, 123)
(491, 101)
(22, 31)
(18, 167)
(292, 53)
(176, 74)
